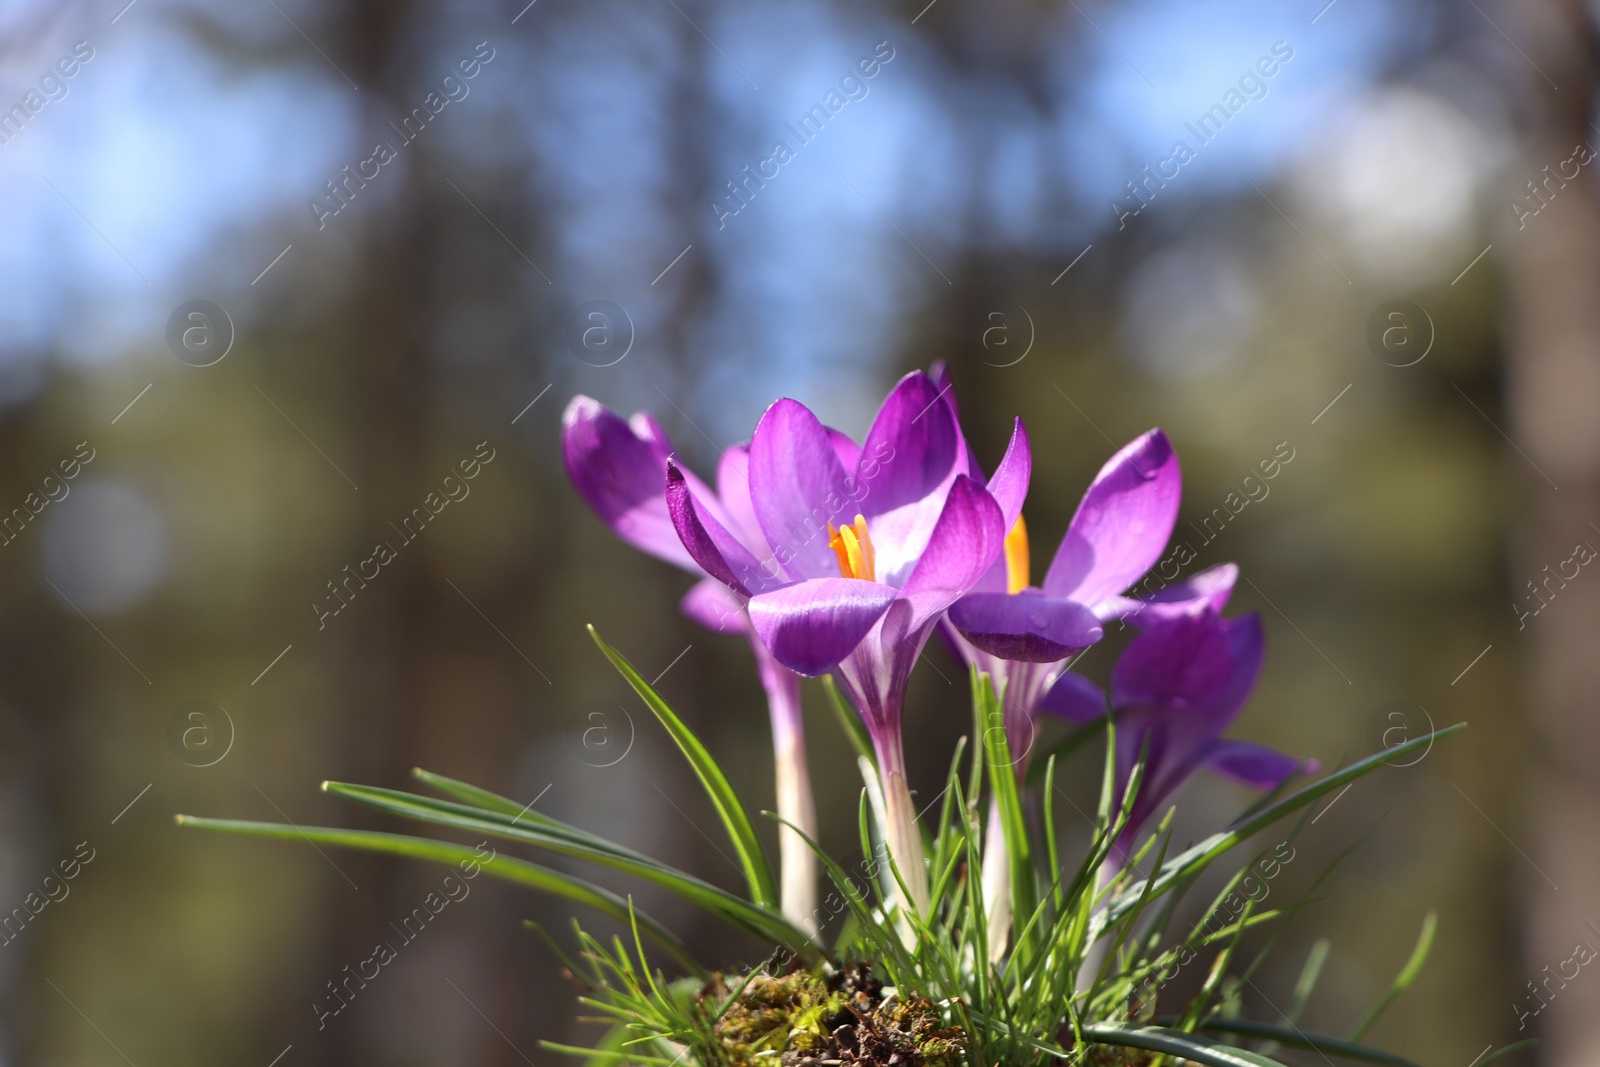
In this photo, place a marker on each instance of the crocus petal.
(1254, 765)
(1009, 486)
(647, 429)
(965, 541)
(619, 474)
(714, 606)
(848, 451)
(1074, 698)
(708, 541)
(1207, 590)
(733, 489)
(797, 487)
(1184, 663)
(1030, 627)
(909, 458)
(811, 625)
(1247, 649)
(1122, 525)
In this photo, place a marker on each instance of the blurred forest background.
(974, 201)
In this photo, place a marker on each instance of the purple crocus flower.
(620, 467)
(869, 546)
(1022, 634)
(1177, 686)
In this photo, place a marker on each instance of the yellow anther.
(1017, 557)
(853, 545)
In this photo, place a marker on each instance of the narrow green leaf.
(1297, 1038)
(478, 797)
(1200, 855)
(1508, 1050)
(1066, 746)
(1014, 830)
(552, 834)
(1407, 975)
(1175, 1043)
(752, 858)
(854, 729)
(507, 867)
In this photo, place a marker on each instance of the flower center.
(853, 545)
(1017, 558)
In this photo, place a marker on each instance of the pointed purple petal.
(1122, 525)
(1075, 698)
(619, 475)
(1009, 486)
(812, 625)
(798, 487)
(909, 458)
(967, 538)
(1254, 765)
(733, 489)
(714, 606)
(1207, 590)
(1030, 627)
(708, 541)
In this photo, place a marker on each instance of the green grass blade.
(752, 858)
(1013, 827)
(854, 729)
(1509, 1050)
(1297, 1038)
(765, 923)
(1407, 975)
(1175, 1043)
(478, 797)
(1200, 855)
(507, 867)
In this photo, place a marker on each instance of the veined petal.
(1183, 663)
(1207, 590)
(707, 540)
(714, 606)
(811, 625)
(733, 489)
(1122, 525)
(1254, 765)
(1009, 486)
(909, 458)
(848, 451)
(797, 487)
(1075, 698)
(964, 543)
(1029, 627)
(619, 474)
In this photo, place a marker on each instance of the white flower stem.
(798, 877)
(996, 883)
(902, 829)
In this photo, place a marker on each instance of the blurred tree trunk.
(1554, 402)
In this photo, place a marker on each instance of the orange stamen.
(853, 545)
(1017, 558)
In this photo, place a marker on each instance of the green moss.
(824, 1017)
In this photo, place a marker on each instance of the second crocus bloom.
(869, 546)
